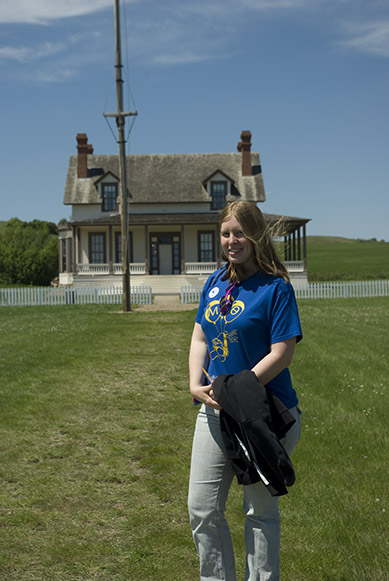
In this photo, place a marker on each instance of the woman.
(247, 319)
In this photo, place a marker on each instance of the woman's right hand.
(204, 394)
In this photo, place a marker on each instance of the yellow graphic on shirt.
(213, 315)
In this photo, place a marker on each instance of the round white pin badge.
(213, 292)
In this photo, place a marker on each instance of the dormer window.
(109, 193)
(218, 194)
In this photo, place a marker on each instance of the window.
(109, 194)
(218, 193)
(206, 246)
(97, 248)
(118, 248)
(66, 254)
(63, 255)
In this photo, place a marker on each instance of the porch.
(139, 268)
(195, 274)
(182, 245)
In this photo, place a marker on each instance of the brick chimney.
(245, 147)
(84, 148)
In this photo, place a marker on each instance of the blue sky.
(309, 78)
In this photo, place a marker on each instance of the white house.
(174, 205)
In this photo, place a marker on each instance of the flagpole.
(120, 116)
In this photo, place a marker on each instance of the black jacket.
(252, 422)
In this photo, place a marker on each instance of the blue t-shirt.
(264, 311)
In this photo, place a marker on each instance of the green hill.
(335, 258)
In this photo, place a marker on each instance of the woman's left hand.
(204, 394)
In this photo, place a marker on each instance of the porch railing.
(294, 265)
(210, 267)
(135, 268)
(200, 267)
(140, 268)
(103, 268)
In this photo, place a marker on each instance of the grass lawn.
(96, 428)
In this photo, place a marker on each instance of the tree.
(28, 252)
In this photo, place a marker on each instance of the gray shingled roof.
(167, 178)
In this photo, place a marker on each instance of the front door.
(165, 253)
(165, 259)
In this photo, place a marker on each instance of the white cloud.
(228, 10)
(160, 32)
(195, 31)
(49, 77)
(186, 57)
(19, 54)
(176, 37)
(372, 38)
(277, 4)
(53, 62)
(24, 54)
(44, 11)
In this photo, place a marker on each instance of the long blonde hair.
(254, 228)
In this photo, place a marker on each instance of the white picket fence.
(142, 295)
(32, 296)
(190, 294)
(343, 290)
(315, 290)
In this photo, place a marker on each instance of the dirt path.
(167, 303)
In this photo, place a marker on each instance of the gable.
(218, 175)
(106, 177)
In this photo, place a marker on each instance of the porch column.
(294, 244)
(305, 247)
(299, 244)
(288, 247)
(182, 249)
